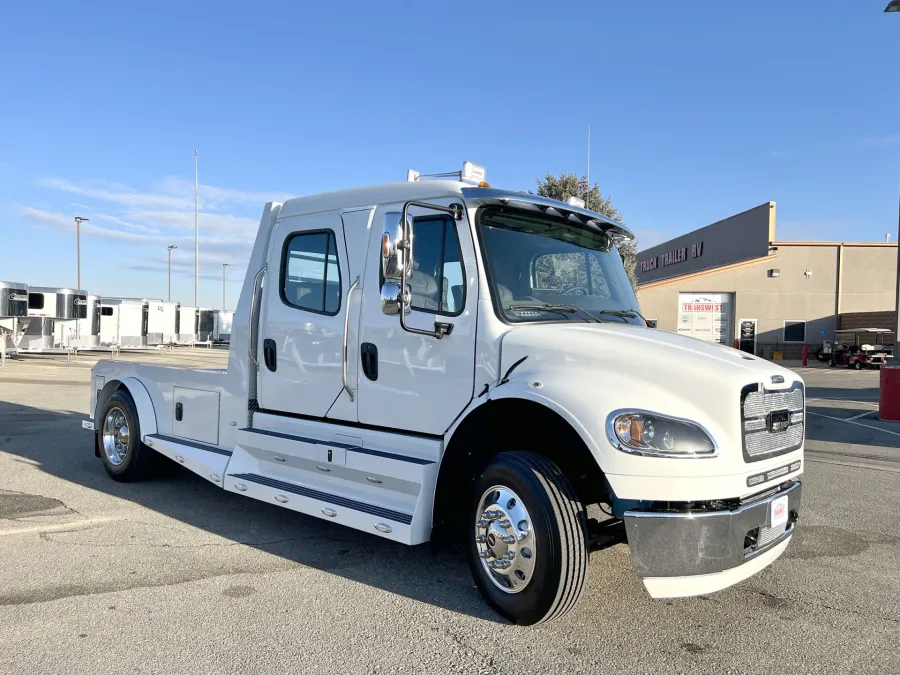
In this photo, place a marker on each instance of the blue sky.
(698, 110)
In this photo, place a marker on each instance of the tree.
(569, 185)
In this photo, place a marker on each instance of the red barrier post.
(805, 355)
(889, 394)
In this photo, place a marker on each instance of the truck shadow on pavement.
(55, 443)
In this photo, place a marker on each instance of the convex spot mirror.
(396, 252)
(391, 298)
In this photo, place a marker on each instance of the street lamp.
(224, 266)
(170, 270)
(889, 392)
(78, 221)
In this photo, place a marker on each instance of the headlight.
(643, 433)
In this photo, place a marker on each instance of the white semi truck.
(440, 360)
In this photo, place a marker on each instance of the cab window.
(310, 273)
(437, 278)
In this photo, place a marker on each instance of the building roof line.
(883, 244)
(711, 270)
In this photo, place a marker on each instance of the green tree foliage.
(569, 185)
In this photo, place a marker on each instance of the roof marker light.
(575, 201)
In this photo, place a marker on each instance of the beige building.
(733, 282)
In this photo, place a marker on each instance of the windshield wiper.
(562, 309)
(629, 313)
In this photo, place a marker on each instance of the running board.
(373, 489)
(207, 461)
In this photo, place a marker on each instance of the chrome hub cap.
(504, 539)
(115, 436)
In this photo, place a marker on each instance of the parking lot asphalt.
(173, 575)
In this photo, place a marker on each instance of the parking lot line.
(842, 398)
(862, 414)
(59, 527)
(851, 421)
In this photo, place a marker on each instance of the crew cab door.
(414, 382)
(301, 328)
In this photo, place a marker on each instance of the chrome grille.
(769, 534)
(761, 403)
(767, 443)
(772, 422)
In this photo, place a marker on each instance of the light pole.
(196, 229)
(170, 271)
(78, 221)
(224, 267)
(889, 394)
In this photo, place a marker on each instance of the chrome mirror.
(395, 250)
(390, 298)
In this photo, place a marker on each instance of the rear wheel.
(857, 365)
(527, 549)
(124, 456)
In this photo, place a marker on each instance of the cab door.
(301, 328)
(417, 382)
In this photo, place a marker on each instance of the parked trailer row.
(58, 320)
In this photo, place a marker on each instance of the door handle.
(368, 354)
(269, 354)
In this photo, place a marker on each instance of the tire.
(857, 365)
(550, 552)
(124, 456)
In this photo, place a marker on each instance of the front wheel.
(857, 365)
(527, 549)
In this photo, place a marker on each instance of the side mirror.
(391, 298)
(395, 251)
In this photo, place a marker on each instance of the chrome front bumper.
(687, 544)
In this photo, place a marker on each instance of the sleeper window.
(310, 277)
(437, 279)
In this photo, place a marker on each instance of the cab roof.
(422, 190)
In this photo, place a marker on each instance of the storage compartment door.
(196, 415)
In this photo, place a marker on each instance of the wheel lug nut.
(505, 523)
(480, 539)
(509, 555)
(509, 538)
(499, 564)
(484, 554)
(482, 523)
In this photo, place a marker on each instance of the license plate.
(779, 512)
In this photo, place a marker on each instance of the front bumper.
(694, 552)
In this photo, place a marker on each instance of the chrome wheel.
(504, 537)
(115, 436)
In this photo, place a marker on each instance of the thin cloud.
(879, 142)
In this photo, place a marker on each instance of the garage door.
(706, 316)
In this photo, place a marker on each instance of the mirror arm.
(440, 329)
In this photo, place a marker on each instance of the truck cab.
(441, 360)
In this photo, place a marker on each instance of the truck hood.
(645, 353)
(588, 371)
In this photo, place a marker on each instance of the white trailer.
(222, 326)
(13, 308)
(86, 334)
(123, 323)
(437, 360)
(52, 319)
(187, 325)
(161, 322)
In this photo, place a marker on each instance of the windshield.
(535, 260)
